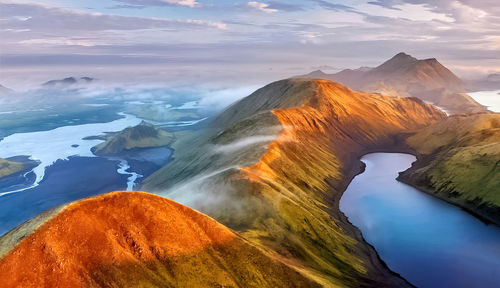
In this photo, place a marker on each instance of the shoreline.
(391, 211)
(406, 177)
(355, 168)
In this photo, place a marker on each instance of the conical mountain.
(404, 75)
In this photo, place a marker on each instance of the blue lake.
(428, 241)
(63, 168)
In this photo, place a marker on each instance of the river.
(428, 241)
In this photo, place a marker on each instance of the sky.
(232, 43)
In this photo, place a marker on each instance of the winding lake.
(428, 241)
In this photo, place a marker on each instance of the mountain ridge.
(323, 127)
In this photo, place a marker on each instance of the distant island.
(144, 135)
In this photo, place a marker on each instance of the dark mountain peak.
(403, 56)
(87, 79)
(68, 81)
(318, 71)
(316, 74)
(396, 62)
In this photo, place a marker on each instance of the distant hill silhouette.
(69, 81)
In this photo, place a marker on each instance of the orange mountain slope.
(134, 239)
(284, 199)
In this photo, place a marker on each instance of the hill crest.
(125, 239)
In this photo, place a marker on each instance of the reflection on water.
(428, 241)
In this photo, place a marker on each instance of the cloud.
(225, 44)
(127, 7)
(462, 11)
(262, 7)
(334, 6)
(385, 5)
(285, 6)
(243, 143)
(62, 41)
(41, 18)
(324, 67)
(188, 3)
(220, 98)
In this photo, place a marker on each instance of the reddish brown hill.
(133, 239)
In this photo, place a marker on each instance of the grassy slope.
(460, 162)
(284, 199)
(131, 239)
(8, 167)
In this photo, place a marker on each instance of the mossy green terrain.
(459, 161)
(273, 166)
(8, 167)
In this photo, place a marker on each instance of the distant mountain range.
(70, 81)
(490, 82)
(406, 76)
